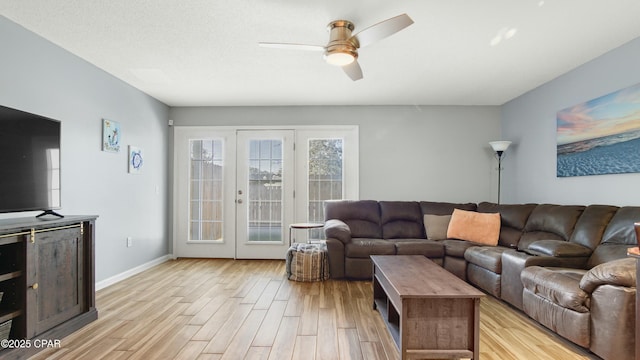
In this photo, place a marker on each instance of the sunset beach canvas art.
(600, 136)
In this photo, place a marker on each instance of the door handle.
(239, 201)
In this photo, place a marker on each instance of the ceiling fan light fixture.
(339, 58)
(342, 49)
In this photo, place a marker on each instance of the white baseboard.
(129, 273)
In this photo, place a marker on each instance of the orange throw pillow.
(482, 228)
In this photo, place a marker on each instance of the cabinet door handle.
(34, 286)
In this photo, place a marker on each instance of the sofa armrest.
(335, 250)
(337, 229)
(620, 272)
(558, 248)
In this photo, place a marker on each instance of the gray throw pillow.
(436, 226)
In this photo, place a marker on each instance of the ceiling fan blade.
(353, 70)
(292, 46)
(382, 29)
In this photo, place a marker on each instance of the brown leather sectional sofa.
(564, 266)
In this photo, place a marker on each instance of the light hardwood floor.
(247, 309)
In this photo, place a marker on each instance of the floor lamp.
(499, 147)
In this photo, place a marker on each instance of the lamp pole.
(499, 156)
(499, 148)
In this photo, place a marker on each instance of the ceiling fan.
(342, 49)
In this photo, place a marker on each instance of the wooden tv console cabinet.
(430, 313)
(47, 278)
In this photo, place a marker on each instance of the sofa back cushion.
(444, 208)
(592, 224)
(620, 229)
(513, 218)
(362, 216)
(618, 237)
(550, 222)
(401, 220)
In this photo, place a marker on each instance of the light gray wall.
(530, 121)
(438, 153)
(38, 77)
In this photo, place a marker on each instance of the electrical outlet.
(129, 241)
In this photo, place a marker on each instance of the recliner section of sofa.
(566, 241)
(555, 235)
(593, 308)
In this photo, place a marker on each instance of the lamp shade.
(499, 145)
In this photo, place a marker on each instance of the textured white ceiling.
(205, 52)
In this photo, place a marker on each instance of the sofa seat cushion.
(364, 247)
(488, 257)
(558, 285)
(558, 248)
(428, 248)
(456, 248)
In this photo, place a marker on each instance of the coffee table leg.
(476, 329)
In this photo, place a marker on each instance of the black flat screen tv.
(29, 162)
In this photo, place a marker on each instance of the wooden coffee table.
(430, 313)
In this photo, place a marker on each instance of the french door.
(235, 189)
(204, 193)
(264, 193)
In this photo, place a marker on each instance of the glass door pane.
(325, 181)
(206, 184)
(265, 190)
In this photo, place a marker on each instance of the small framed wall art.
(136, 160)
(111, 136)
